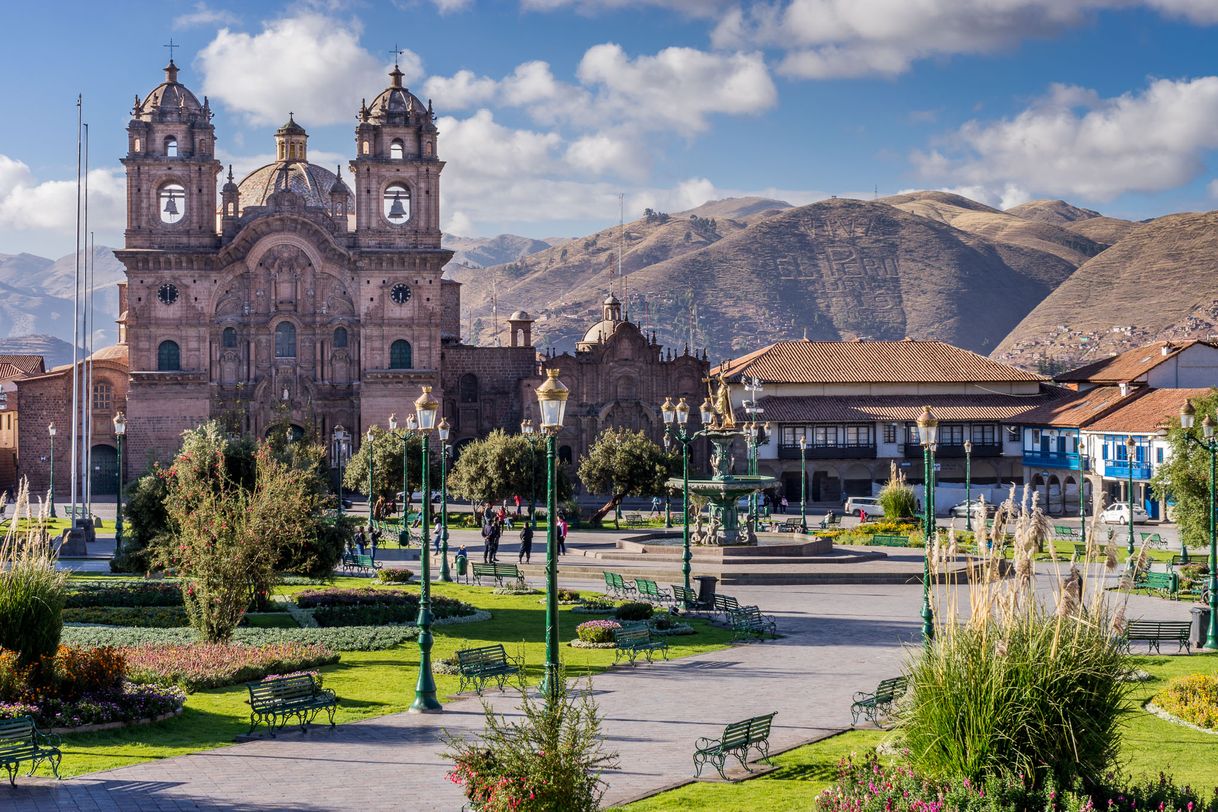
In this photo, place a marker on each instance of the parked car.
(417, 496)
(962, 509)
(1118, 513)
(858, 505)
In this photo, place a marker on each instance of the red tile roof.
(867, 408)
(870, 362)
(1129, 365)
(14, 366)
(1079, 408)
(1148, 413)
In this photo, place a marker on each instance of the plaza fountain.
(722, 493)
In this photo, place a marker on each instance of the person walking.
(374, 536)
(438, 538)
(360, 540)
(655, 506)
(526, 543)
(488, 522)
(562, 536)
(783, 504)
(516, 499)
(493, 541)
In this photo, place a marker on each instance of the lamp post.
(676, 420)
(753, 434)
(408, 430)
(803, 483)
(341, 438)
(968, 485)
(530, 435)
(371, 465)
(445, 452)
(120, 433)
(552, 403)
(1083, 464)
(51, 433)
(1131, 446)
(425, 690)
(1187, 418)
(928, 434)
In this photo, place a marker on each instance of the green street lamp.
(51, 433)
(443, 429)
(552, 403)
(753, 435)
(120, 434)
(369, 436)
(1083, 464)
(676, 421)
(968, 485)
(1187, 418)
(530, 435)
(425, 690)
(928, 434)
(803, 483)
(408, 431)
(1131, 446)
(342, 441)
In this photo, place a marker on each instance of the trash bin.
(1201, 624)
(706, 589)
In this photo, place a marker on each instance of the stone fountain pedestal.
(722, 491)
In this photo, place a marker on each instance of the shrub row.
(125, 593)
(350, 638)
(67, 675)
(364, 596)
(400, 611)
(1193, 698)
(212, 665)
(159, 617)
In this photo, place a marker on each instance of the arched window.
(168, 357)
(103, 397)
(228, 338)
(467, 388)
(396, 150)
(138, 145)
(399, 355)
(365, 145)
(171, 147)
(171, 202)
(564, 454)
(340, 337)
(397, 203)
(285, 340)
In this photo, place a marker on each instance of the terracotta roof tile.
(28, 364)
(1129, 365)
(870, 362)
(1148, 413)
(1079, 408)
(866, 408)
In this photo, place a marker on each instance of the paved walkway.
(838, 639)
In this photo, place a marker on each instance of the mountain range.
(36, 298)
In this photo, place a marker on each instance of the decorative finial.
(230, 173)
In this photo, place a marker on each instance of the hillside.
(1057, 212)
(53, 351)
(1159, 282)
(477, 252)
(36, 295)
(835, 269)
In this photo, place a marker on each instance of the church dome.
(170, 100)
(600, 332)
(396, 105)
(312, 182)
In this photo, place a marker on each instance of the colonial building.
(12, 369)
(854, 404)
(1159, 365)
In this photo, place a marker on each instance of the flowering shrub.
(634, 611)
(373, 607)
(211, 665)
(126, 704)
(316, 675)
(350, 638)
(1194, 698)
(394, 575)
(597, 631)
(147, 616)
(66, 675)
(125, 593)
(365, 596)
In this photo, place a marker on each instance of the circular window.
(397, 203)
(168, 294)
(400, 293)
(171, 202)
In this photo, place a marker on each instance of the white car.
(858, 505)
(961, 510)
(1118, 513)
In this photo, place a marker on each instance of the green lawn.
(1149, 745)
(368, 683)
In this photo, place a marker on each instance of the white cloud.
(459, 224)
(50, 205)
(692, 8)
(449, 6)
(1202, 12)
(309, 64)
(602, 153)
(1213, 187)
(462, 90)
(204, 15)
(480, 146)
(1074, 143)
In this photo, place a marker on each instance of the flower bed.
(132, 703)
(158, 617)
(365, 596)
(374, 607)
(1193, 698)
(204, 665)
(597, 631)
(350, 638)
(124, 593)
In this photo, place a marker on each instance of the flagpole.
(76, 311)
(83, 454)
(90, 327)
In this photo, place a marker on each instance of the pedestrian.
(461, 561)
(488, 522)
(783, 504)
(438, 538)
(378, 508)
(562, 535)
(526, 543)
(493, 541)
(517, 500)
(374, 536)
(360, 540)
(655, 505)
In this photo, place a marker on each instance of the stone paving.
(839, 639)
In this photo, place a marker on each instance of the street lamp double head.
(1131, 448)
(425, 701)
(676, 423)
(928, 435)
(443, 429)
(552, 405)
(803, 483)
(120, 433)
(51, 433)
(1188, 417)
(408, 431)
(968, 485)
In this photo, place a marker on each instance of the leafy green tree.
(1185, 477)
(144, 519)
(385, 451)
(503, 465)
(623, 463)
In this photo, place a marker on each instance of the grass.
(1148, 745)
(368, 683)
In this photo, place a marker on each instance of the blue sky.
(548, 108)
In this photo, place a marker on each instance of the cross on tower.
(171, 46)
(395, 53)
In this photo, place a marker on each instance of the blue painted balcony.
(1050, 459)
(1119, 469)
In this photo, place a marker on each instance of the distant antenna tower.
(621, 236)
(495, 305)
(876, 196)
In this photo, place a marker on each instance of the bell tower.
(396, 171)
(171, 169)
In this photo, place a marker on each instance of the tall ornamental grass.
(32, 590)
(897, 498)
(1017, 683)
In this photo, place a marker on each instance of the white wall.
(1194, 368)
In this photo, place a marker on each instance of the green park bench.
(635, 520)
(834, 520)
(355, 562)
(635, 640)
(874, 706)
(737, 739)
(21, 740)
(1154, 632)
(688, 599)
(1153, 540)
(278, 699)
(650, 591)
(727, 605)
(888, 541)
(1080, 550)
(787, 526)
(617, 584)
(477, 666)
(1182, 559)
(1065, 533)
(749, 622)
(1165, 583)
(498, 573)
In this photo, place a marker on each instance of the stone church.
(315, 297)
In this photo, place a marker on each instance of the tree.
(503, 465)
(385, 450)
(623, 463)
(1185, 478)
